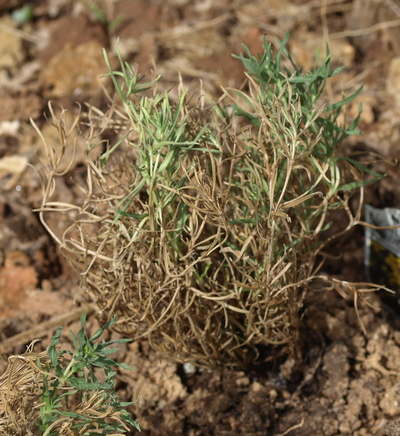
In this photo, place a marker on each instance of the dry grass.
(20, 394)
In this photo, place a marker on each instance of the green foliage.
(299, 97)
(72, 391)
(23, 15)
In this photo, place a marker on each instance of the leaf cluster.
(97, 406)
(58, 392)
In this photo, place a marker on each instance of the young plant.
(65, 394)
(203, 225)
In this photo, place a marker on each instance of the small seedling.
(58, 392)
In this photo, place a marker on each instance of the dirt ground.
(342, 382)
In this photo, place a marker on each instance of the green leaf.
(106, 155)
(100, 331)
(135, 216)
(242, 221)
(76, 415)
(83, 384)
(23, 15)
(52, 351)
(125, 366)
(345, 101)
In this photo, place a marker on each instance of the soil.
(342, 380)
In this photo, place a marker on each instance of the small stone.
(73, 71)
(11, 51)
(243, 381)
(273, 394)
(11, 168)
(189, 368)
(390, 403)
(256, 386)
(393, 78)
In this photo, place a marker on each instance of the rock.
(73, 71)
(393, 78)
(16, 278)
(11, 50)
(11, 168)
(390, 403)
(363, 15)
(304, 47)
(18, 105)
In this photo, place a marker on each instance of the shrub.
(202, 224)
